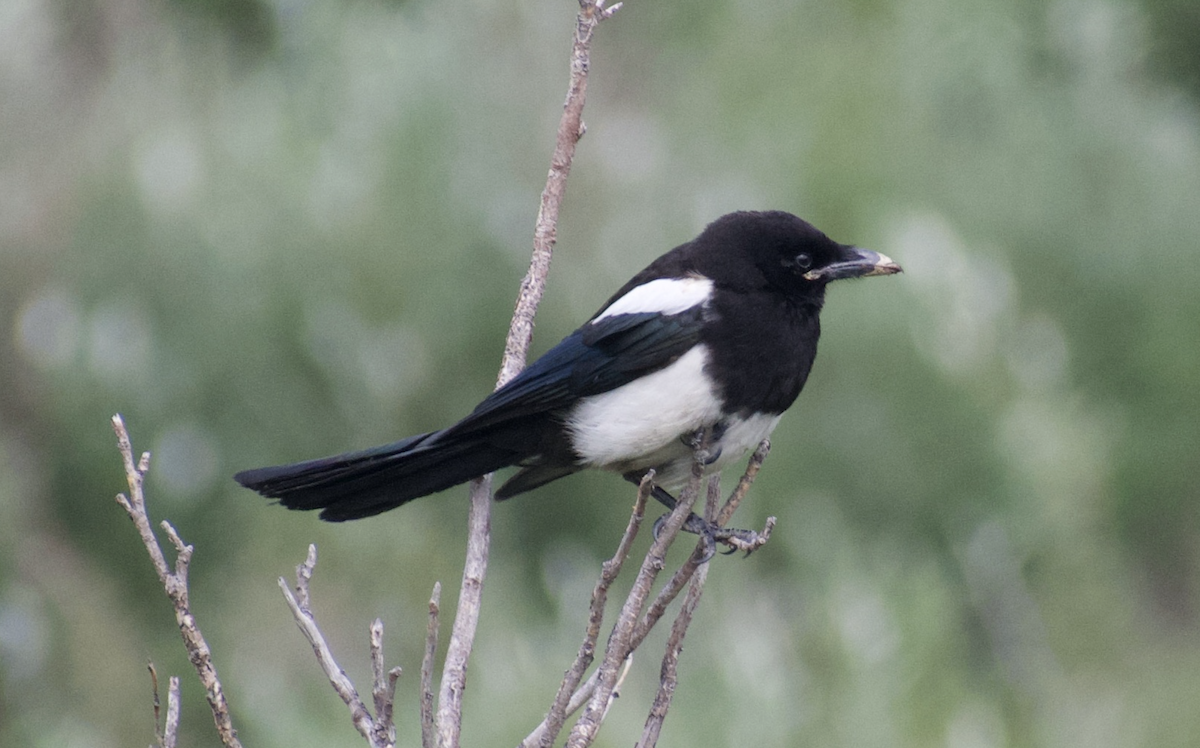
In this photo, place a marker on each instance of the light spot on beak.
(858, 263)
(884, 265)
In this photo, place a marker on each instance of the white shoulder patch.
(665, 295)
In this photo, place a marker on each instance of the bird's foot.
(712, 534)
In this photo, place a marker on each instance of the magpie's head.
(781, 251)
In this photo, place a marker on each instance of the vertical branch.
(545, 232)
(668, 677)
(171, 727)
(466, 618)
(383, 689)
(428, 732)
(516, 347)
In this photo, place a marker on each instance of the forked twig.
(568, 691)
(175, 583)
(629, 632)
(619, 647)
(379, 731)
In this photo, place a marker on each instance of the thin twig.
(618, 648)
(743, 485)
(383, 689)
(170, 736)
(545, 233)
(542, 735)
(713, 496)
(378, 676)
(428, 733)
(466, 617)
(158, 734)
(667, 594)
(308, 626)
(516, 347)
(175, 583)
(545, 733)
(668, 675)
(616, 691)
(387, 717)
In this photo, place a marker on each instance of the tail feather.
(365, 483)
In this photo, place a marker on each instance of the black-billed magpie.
(719, 334)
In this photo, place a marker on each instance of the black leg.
(696, 525)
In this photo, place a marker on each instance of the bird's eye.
(803, 261)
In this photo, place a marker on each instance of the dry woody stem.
(379, 731)
(516, 347)
(428, 731)
(176, 585)
(638, 618)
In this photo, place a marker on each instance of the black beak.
(855, 262)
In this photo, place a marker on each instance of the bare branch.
(378, 676)
(174, 583)
(545, 733)
(516, 348)
(308, 626)
(712, 497)
(620, 640)
(743, 485)
(379, 731)
(466, 617)
(668, 678)
(545, 233)
(135, 503)
(304, 574)
(627, 634)
(157, 704)
(170, 736)
(383, 689)
(428, 733)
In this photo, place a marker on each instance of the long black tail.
(363, 484)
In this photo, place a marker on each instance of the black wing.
(596, 358)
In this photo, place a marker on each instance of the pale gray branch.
(383, 689)
(516, 348)
(175, 583)
(377, 733)
(637, 619)
(565, 702)
(619, 646)
(170, 736)
(668, 677)
(428, 731)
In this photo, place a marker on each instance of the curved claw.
(712, 535)
(658, 526)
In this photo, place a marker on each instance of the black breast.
(762, 346)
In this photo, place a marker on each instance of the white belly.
(646, 415)
(639, 425)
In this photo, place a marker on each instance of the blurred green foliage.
(273, 230)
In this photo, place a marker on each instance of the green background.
(272, 230)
